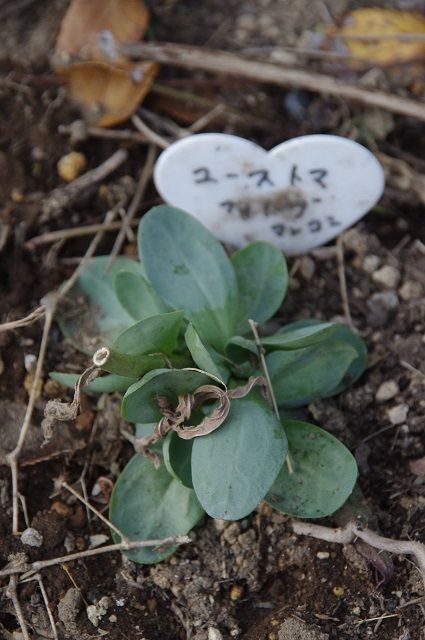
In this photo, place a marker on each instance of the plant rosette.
(173, 334)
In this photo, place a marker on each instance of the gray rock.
(294, 629)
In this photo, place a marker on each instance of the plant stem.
(260, 348)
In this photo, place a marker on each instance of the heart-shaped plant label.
(299, 195)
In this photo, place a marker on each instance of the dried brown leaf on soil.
(377, 36)
(108, 86)
(126, 20)
(108, 94)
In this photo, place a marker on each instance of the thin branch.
(67, 234)
(96, 512)
(151, 135)
(23, 322)
(65, 196)
(260, 349)
(120, 135)
(348, 534)
(49, 304)
(343, 280)
(12, 593)
(232, 64)
(13, 456)
(47, 605)
(34, 567)
(145, 176)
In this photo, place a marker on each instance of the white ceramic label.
(299, 195)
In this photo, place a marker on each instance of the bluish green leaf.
(262, 278)
(147, 504)
(239, 349)
(177, 454)
(156, 334)
(190, 270)
(234, 466)
(140, 403)
(294, 336)
(303, 375)
(324, 473)
(137, 296)
(91, 313)
(104, 384)
(206, 357)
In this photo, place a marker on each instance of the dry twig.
(12, 593)
(342, 280)
(348, 534)
(145, 176)
(49, 305)
(65, 196)
(232, 64)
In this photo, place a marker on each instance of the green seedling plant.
(211, 395)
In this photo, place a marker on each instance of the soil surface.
(252, 579)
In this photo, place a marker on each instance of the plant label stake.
(299, 195)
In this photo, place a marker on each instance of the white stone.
(398, 414)
(32, 537)
(387, 390)
(387, 275)
(323, 555)
(299, 195)
(214, 634)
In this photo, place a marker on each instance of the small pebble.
(71, 166)
(236, 592)
(386, 391)
(381, 305)
(214, 634)
(32, 537)
(307, 267)
(323, 555)
(371, 263)
(387, 275)
(398, 414)
(338, 591)
(410, 290)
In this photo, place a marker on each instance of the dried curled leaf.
(380, 36)
(176, 419)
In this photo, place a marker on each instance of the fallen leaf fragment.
(379, 37)
(107, 85)
(108, 94)
(125, 20)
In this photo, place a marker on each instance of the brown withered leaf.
(107, 85)
(379, 37)
(108, 94)
(126, 20)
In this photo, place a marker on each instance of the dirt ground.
(251, 579)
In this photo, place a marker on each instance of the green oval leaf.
(92, 314)
(189, 268)
(234, 466)
(137, 296)
(205, 357)
(294, 336)
(140, 403)
(324, 473)
(262, 278)
(147, 503)
(104, 384)
(177, 455)
(303, 375)
(156, 334)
